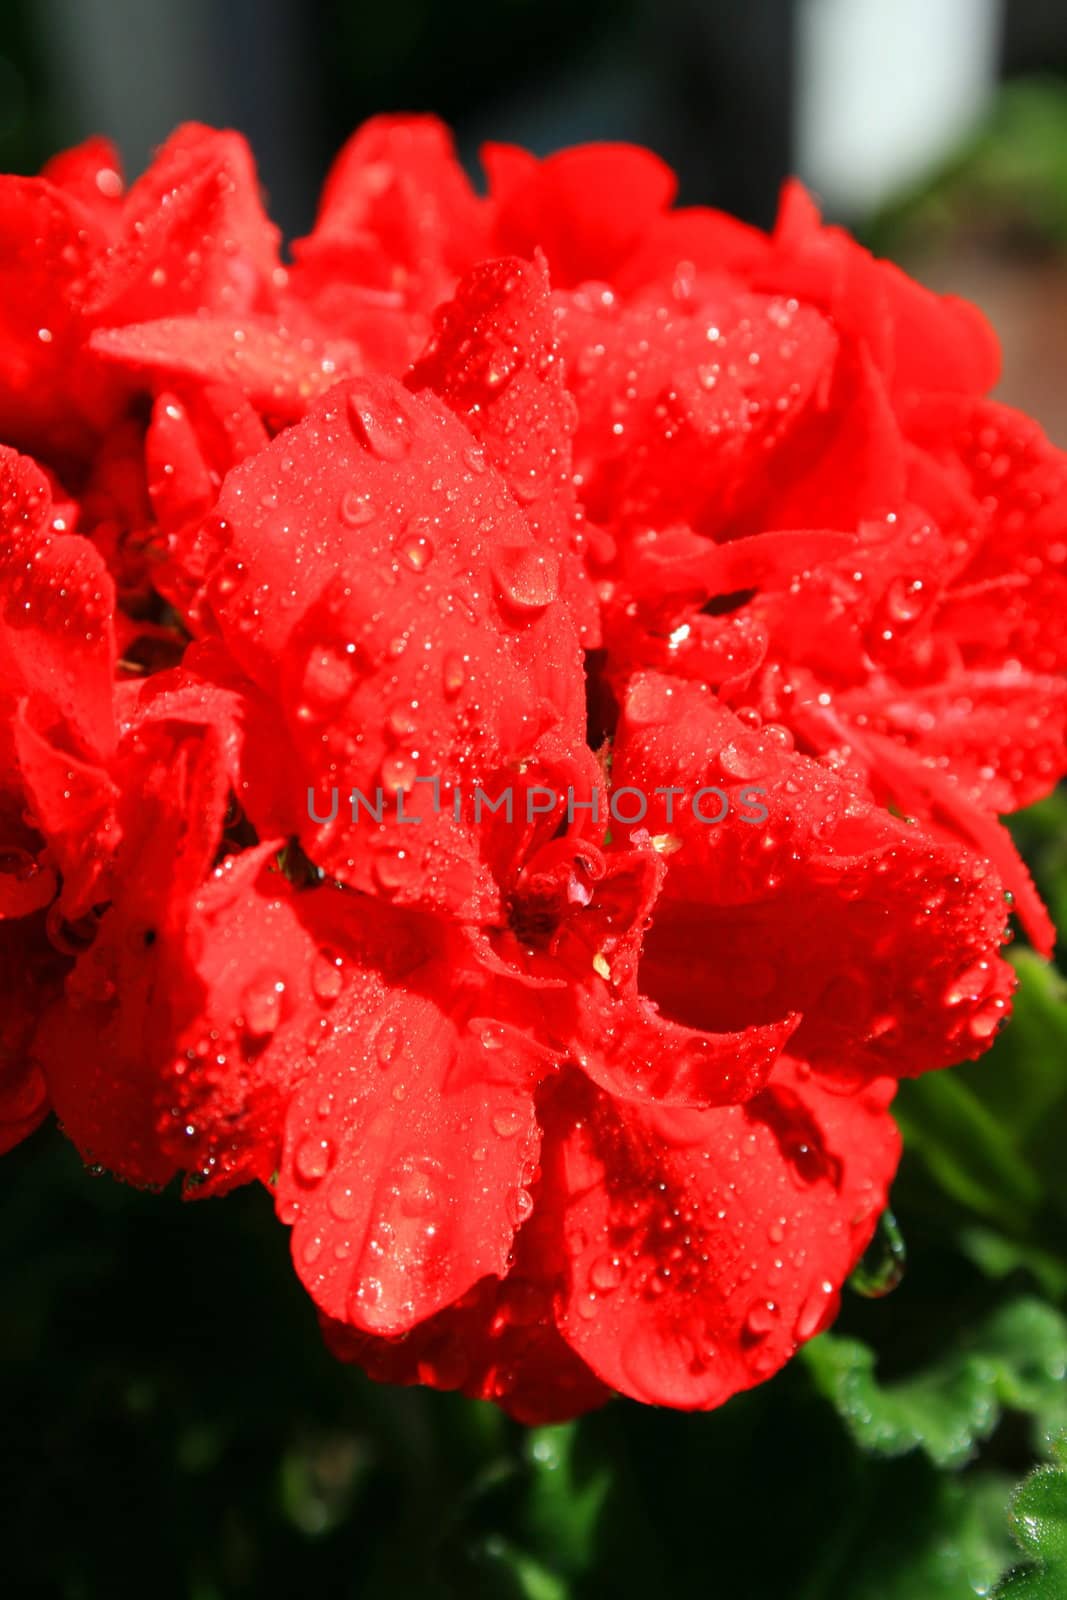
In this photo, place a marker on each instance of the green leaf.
(1016, 1358)
(498, 1569)
(1039, 1523)
(999, 1257)
(991, 1132)
(938, 1539)
(563, 1504)
(967, 1149)
(1023, 1080)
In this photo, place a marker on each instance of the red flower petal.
(587, 208)
(104, 1045)
(408, 1117)
(916, 338)
(577, 918)
(91, 173)
(48, 397)
(681, 408)
(57, 647)
(194, 236)
(423, 639)
(705, 1246)
(905, 974)
(280, 374)
(1003, 491)
(498, 1342)
(494, 359)
(397, 213)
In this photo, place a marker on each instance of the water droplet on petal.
(988, 1018)
(387, 1043)
(398, 772)
(394, 870)
(606, 1274)
(356, 509)
(507, 1122)
(904, 599)
(365, 1296)
(759, 1321)
(416, 1192)
(526, 578)
(817, 1311)
(327, 978)
(328, 675)
(69, 938)
(261, 1006)
(385, 433)
(313, 1159)
(970, 985)
(883, 1263)
(453, 675)
(416, 549)
(343, 1201)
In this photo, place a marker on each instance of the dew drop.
(313, 1159)
(904, 599)
(343, 1201)
(453, 675)
(760, 1320)
(366, 1294)
(970, 985)
(417, 551)
(401, 722)
(398, 773)
(69, 938)
(355, 509)
(883, 1263)
(988, 1018)
(394, 870)
(387, 1043)
(261, 1006)
(507, 1122)
(415, 1189)
(816, 1311)
(526, 578)
(385, 434)
(605, 1274)
(328, 675)
(327, 977)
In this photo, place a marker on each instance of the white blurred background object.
(883, 88)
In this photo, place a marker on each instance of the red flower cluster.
(560, 492)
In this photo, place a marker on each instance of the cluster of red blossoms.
(562, 489)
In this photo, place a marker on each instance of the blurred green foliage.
(1039, 1523)
(1007, 183)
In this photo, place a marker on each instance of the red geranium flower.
(504, 723)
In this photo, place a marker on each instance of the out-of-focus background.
(936, 127)
(170, 1424)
